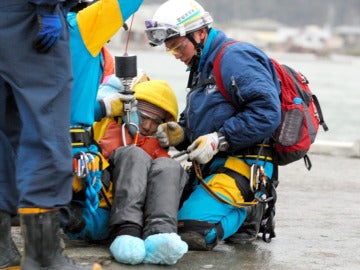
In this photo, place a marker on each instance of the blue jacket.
(250, 79)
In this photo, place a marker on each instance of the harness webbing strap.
(106, 199)
(80, 137)
(238, 165)
(321, 117)
(241, 182)
(262, 150)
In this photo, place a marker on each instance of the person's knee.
(166, 163)
(131, 153)
(171, 167)
(124, 150)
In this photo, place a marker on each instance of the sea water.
(334, 79)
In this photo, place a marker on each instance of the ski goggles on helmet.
(158, 34)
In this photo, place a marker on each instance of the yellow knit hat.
(158, 93)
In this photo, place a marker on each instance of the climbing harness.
(80, 137)
(262, 187)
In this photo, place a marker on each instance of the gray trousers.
(146, 191)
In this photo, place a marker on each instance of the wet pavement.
(317, 226)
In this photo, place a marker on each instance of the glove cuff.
(223, 144)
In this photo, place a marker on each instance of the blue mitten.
(128, 249)
(164, 248)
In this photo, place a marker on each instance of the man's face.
(148, 124)
(182, 48)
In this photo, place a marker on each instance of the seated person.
(140, 219)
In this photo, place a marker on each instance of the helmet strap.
(194, 63)
(198, 47)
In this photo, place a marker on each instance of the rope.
(213, 194)
(129, 33)
(93, 186)
(91, 180)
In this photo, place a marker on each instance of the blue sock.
(128, 249)
(164, 248)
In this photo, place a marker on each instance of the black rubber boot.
(249, 230)
(9, 254)
(42, 249)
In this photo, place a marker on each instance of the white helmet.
(176, 18)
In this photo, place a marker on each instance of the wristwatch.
(223, 144)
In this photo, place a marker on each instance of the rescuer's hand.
(113, 105)
(204, 148)
(49, 32)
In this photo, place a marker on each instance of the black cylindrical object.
(125, 66)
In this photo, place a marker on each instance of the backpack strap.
(321, 117)
(217, 73)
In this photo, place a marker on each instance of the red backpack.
(300, 112)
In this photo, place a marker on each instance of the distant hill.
(290, 12)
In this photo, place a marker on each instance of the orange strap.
(25, 211)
